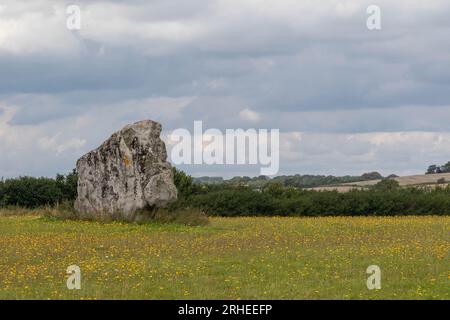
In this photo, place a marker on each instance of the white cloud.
(162, 28)
(39, 28)
(14, 139)
(57, 145)
(388, 152)
(119, 25)
(250, 116)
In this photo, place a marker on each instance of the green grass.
(231, 258)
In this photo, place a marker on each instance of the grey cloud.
(299, 66)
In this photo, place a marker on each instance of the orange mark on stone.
(126, 161)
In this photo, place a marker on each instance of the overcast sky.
(346, 99)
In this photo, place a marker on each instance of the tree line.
(31, 192)
(274, 198)
(434, 169)
(299, 181)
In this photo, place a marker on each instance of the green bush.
(386, 185)
(386, 199)
(183, 182)
(32, 192)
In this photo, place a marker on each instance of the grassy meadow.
(231, 258)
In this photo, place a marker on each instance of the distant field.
(233, 258)
(417, 180)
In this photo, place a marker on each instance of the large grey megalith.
(127, 174)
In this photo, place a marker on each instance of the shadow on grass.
(186, 217)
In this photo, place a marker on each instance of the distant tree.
(275, 189)
(387, 185)
(68, 185)
(372, 176)
(445, 168)
(183, 182)
(31, 192)
(439, 169)
(432, 169)
(392, 176)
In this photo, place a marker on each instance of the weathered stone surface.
(127, 173)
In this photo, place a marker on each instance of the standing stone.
(126, 174)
